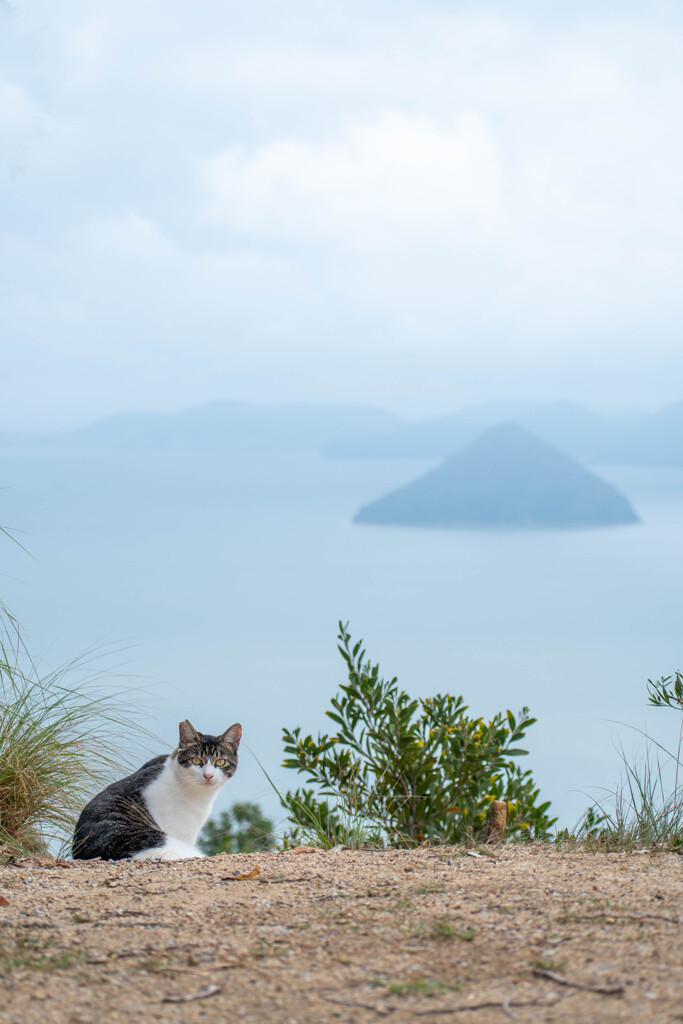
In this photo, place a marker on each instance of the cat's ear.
(188, 734)
(232, 736)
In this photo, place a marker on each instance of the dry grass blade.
(241, 877)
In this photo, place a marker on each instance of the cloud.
(22, 124)
(560, 220)
(279, 191)
(389, 181)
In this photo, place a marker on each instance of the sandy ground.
(433, 934)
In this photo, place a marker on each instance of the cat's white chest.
(179, 810)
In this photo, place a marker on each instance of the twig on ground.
(619, 917)
(282, 881)
(121, 955)
(503, 1004)
(193, 970)
(505, 1007)
(162, 892)
(211, 990)
(121, 913)
(113, 922)
(378, 1008)
(603, 990)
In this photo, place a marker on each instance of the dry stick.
(192, 970)
(497, 820)
(603, 990)
(618, 917)
(121, 955)
(162, 892)
(212, 990)
(111, 956)
(184, 970)
(504, 1005)
(376, 1007)
(282, 881)
(115, 923)
(120, 914)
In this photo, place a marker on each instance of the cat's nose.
(208, 776)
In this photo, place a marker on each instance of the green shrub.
(242, 829)
(402, 770)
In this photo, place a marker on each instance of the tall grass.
(316, 827)
(646, 808)
(60, 742)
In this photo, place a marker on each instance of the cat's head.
(207, 761)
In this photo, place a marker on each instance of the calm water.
(229, 575)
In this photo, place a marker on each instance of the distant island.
(505, 478)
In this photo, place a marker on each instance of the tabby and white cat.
(156, 813)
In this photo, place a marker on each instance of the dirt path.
(432, 934)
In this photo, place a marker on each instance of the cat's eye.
(220, 762)
(197, 760)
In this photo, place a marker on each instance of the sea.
(210, 587)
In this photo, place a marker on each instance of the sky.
(413, 205)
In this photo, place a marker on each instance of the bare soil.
(526, 934)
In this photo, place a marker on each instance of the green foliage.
(403, 770)
(242, 829)
(667, 694)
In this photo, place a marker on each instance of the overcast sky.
(416, 205)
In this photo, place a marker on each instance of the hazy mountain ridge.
(230, 425)
(505, 478)
(654, 439)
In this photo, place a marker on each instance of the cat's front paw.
(173, 849)
(176, 849)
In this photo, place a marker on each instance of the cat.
(156, 813)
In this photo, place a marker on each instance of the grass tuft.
(549, 965)
(444, 930)
(60, 741)
(416, 986)
(646, 808)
